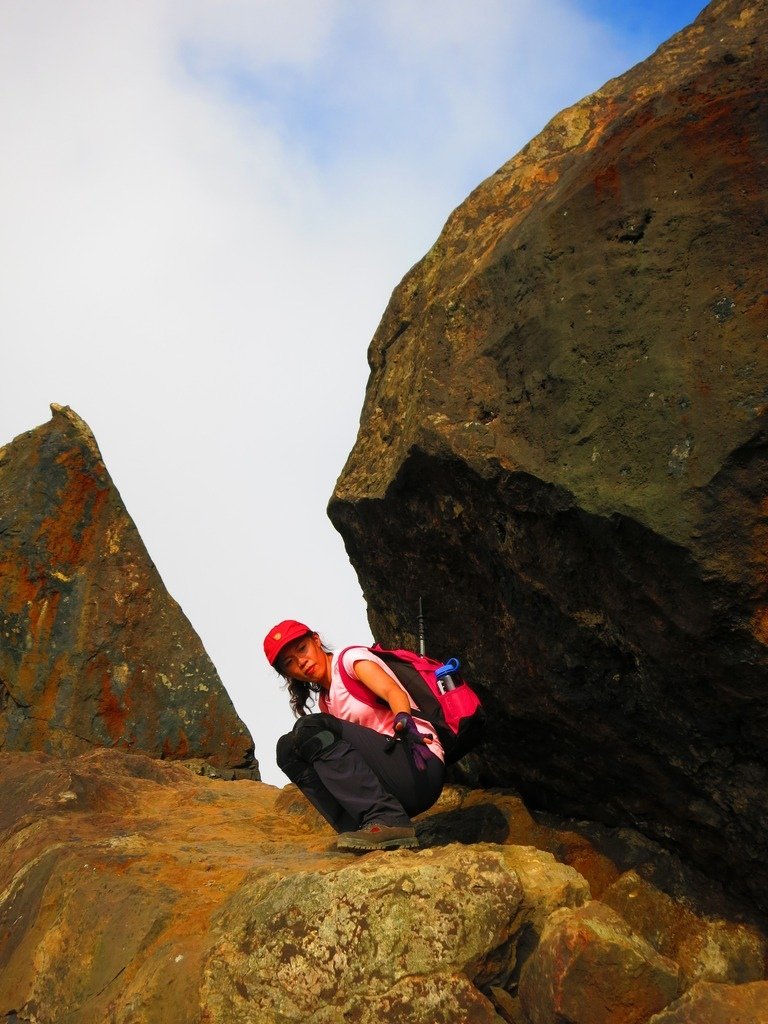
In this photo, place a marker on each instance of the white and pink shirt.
(338, 701)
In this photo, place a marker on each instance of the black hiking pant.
(348, 773)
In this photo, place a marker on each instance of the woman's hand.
(408, 733)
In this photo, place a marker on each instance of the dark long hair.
(300, 692)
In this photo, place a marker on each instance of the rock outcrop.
(136, 892)
(708, 1003)
(591, 968)
(93, 649)
(563, 451)
(717, 950)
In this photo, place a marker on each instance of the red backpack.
(456, 714)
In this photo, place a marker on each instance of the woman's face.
(304, 659)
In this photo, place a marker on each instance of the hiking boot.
(378, 837)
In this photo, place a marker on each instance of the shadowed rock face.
(563, 451)
(93, 649)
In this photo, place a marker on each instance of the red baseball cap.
(280, 635)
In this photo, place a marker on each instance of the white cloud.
(266, 33)
(205, 206)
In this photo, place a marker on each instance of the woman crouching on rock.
(367, 769)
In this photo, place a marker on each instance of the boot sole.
(392, 844)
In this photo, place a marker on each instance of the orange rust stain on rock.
(716, 120)
(35, 668)
(180, 750)
(617, 123)
(45, 699)
(608, 182)
(19, 589)
(605, 115)
(544, 174)
(69, 531)
(223, 748)
(760, 625)
(599, 870)
(112, 709)
(209, 739)
(42, 615)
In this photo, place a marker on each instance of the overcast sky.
(204, 208)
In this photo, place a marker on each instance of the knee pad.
(313, 735)
(284, 751)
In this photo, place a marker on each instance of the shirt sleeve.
(354, 654)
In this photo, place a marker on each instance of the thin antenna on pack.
(422, 644)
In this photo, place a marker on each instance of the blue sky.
(364, 90)
(647, 23)
(205, 208)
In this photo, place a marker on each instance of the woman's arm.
(377, 680)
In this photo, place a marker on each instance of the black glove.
(407, 732)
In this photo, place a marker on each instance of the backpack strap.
(358, 690)
(366, 696)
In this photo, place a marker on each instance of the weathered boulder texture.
(563, 451)
(93, 649)
(590, 965)
(133, 891)
(708, 1003)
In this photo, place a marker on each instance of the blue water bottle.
(444, 675)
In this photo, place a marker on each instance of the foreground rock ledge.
(563, 452)
(134, 891)
(93, 649)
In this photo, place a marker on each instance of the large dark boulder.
(93, 649)
(563, 451)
